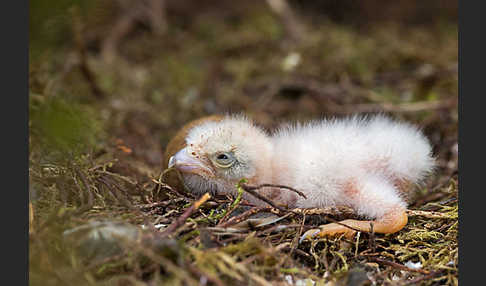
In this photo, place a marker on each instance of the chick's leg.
(390, 223)
(373, 197)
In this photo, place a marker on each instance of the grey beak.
(184, 162)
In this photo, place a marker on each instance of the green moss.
(62, 128)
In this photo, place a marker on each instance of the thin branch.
(243, 216)
(162, 178)
(187, 213)
(251, 191)
(275, 186)
(428, 214)
(425, 277)
(334, 210)
(160, 204)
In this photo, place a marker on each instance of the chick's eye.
(222, 157)
(224, 160)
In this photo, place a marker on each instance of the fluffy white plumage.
(357, 161)
(360, 162)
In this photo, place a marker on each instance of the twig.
(161, 185)
(87, 189)
(235, 203)
(252, 192)
(335, 210)
(188, 212)
(418, 279)
(295, 243)
(111, 185)
(428, 214)
(243, 216)
(187, 192)
(372, 241)
(349, 212)
(274, 186)
(160, 204)
(87, 186)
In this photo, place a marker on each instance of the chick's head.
(219, 154)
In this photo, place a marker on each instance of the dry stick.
(188, 212)
(428, 276)
(372, 242)
(112, 186)
(295, 242)
(107, 190)
(337, 210)
(86, 184)
(243, 216)
(230, 211)
(236, 202)
(398, 265)
(275, 186)
(333, 210)
(251, 191)
(349, 212)
(153, 205)
(161, 185)
(160, 204)
(187, 192)
(428, 214)
(90, 203)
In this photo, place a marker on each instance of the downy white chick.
(366, 163)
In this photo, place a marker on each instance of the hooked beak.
(186, 163)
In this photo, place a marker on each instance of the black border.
(14, 119)
(471, 142)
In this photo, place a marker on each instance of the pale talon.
(172, 162)
(311, 233)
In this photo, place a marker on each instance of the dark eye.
(222, 157)
(224, 160)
